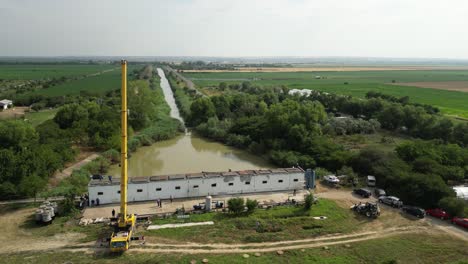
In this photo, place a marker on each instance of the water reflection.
(188, 153)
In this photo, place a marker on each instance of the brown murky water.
(186, 153)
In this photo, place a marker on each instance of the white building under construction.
(198, 184)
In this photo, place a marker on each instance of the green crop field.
(34, 72)
(95, 84)
(358, 84)
(100, 83)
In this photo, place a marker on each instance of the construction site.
(233, 132)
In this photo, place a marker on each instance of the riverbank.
(186, 153)
(149, 113)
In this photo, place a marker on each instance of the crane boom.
(123, 148)
(121, 237)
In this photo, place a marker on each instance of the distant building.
(303, 92)
(4, 104)
(462, 192)
(197, 184)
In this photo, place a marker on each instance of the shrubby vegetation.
(350, 126)
(309, 199)
(78, 181)
(411, 119)
(182, 95)
(236, 205)
(29, 156)
(300, 131)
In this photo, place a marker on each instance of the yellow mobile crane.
(121, 237)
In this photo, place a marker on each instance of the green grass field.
(33, 72)
(276, 224)
(36, 118)
(359, 83)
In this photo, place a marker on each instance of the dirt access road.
(60, 175)
(188, 83)
(391, 222)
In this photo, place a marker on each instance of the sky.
(235, 28)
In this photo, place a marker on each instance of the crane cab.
(121, 237)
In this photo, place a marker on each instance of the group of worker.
(158, 204)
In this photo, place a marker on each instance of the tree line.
(293, 130)
(29, 156)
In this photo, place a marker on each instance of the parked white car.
(331, 179)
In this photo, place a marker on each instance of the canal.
(187, 152)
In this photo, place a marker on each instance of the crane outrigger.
(121, 237)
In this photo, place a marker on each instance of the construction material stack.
(121, 237)
(46, 212)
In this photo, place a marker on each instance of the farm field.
(41, 71)
(302, 68)
(95, 84)
(461, 86)
(356, 83)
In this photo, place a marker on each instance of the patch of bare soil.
(14, 238)
(391, 222)
(16, 112)
(461, 86)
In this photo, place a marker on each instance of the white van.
(370, 180)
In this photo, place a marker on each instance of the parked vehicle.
(413, 210)
(331, 179)
(370, 210)
(362, 192)
(380, 192)
(371, 181)
(439, 213)
(463, 222)
(391, 200)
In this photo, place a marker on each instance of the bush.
(321, 172)
(351, 177)
(236, 205)
(133, 144)
(251, 205)
(97, 166)
(67, 206)
(453, 206)
(309, 199)
(145, 140)
(112, 155)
